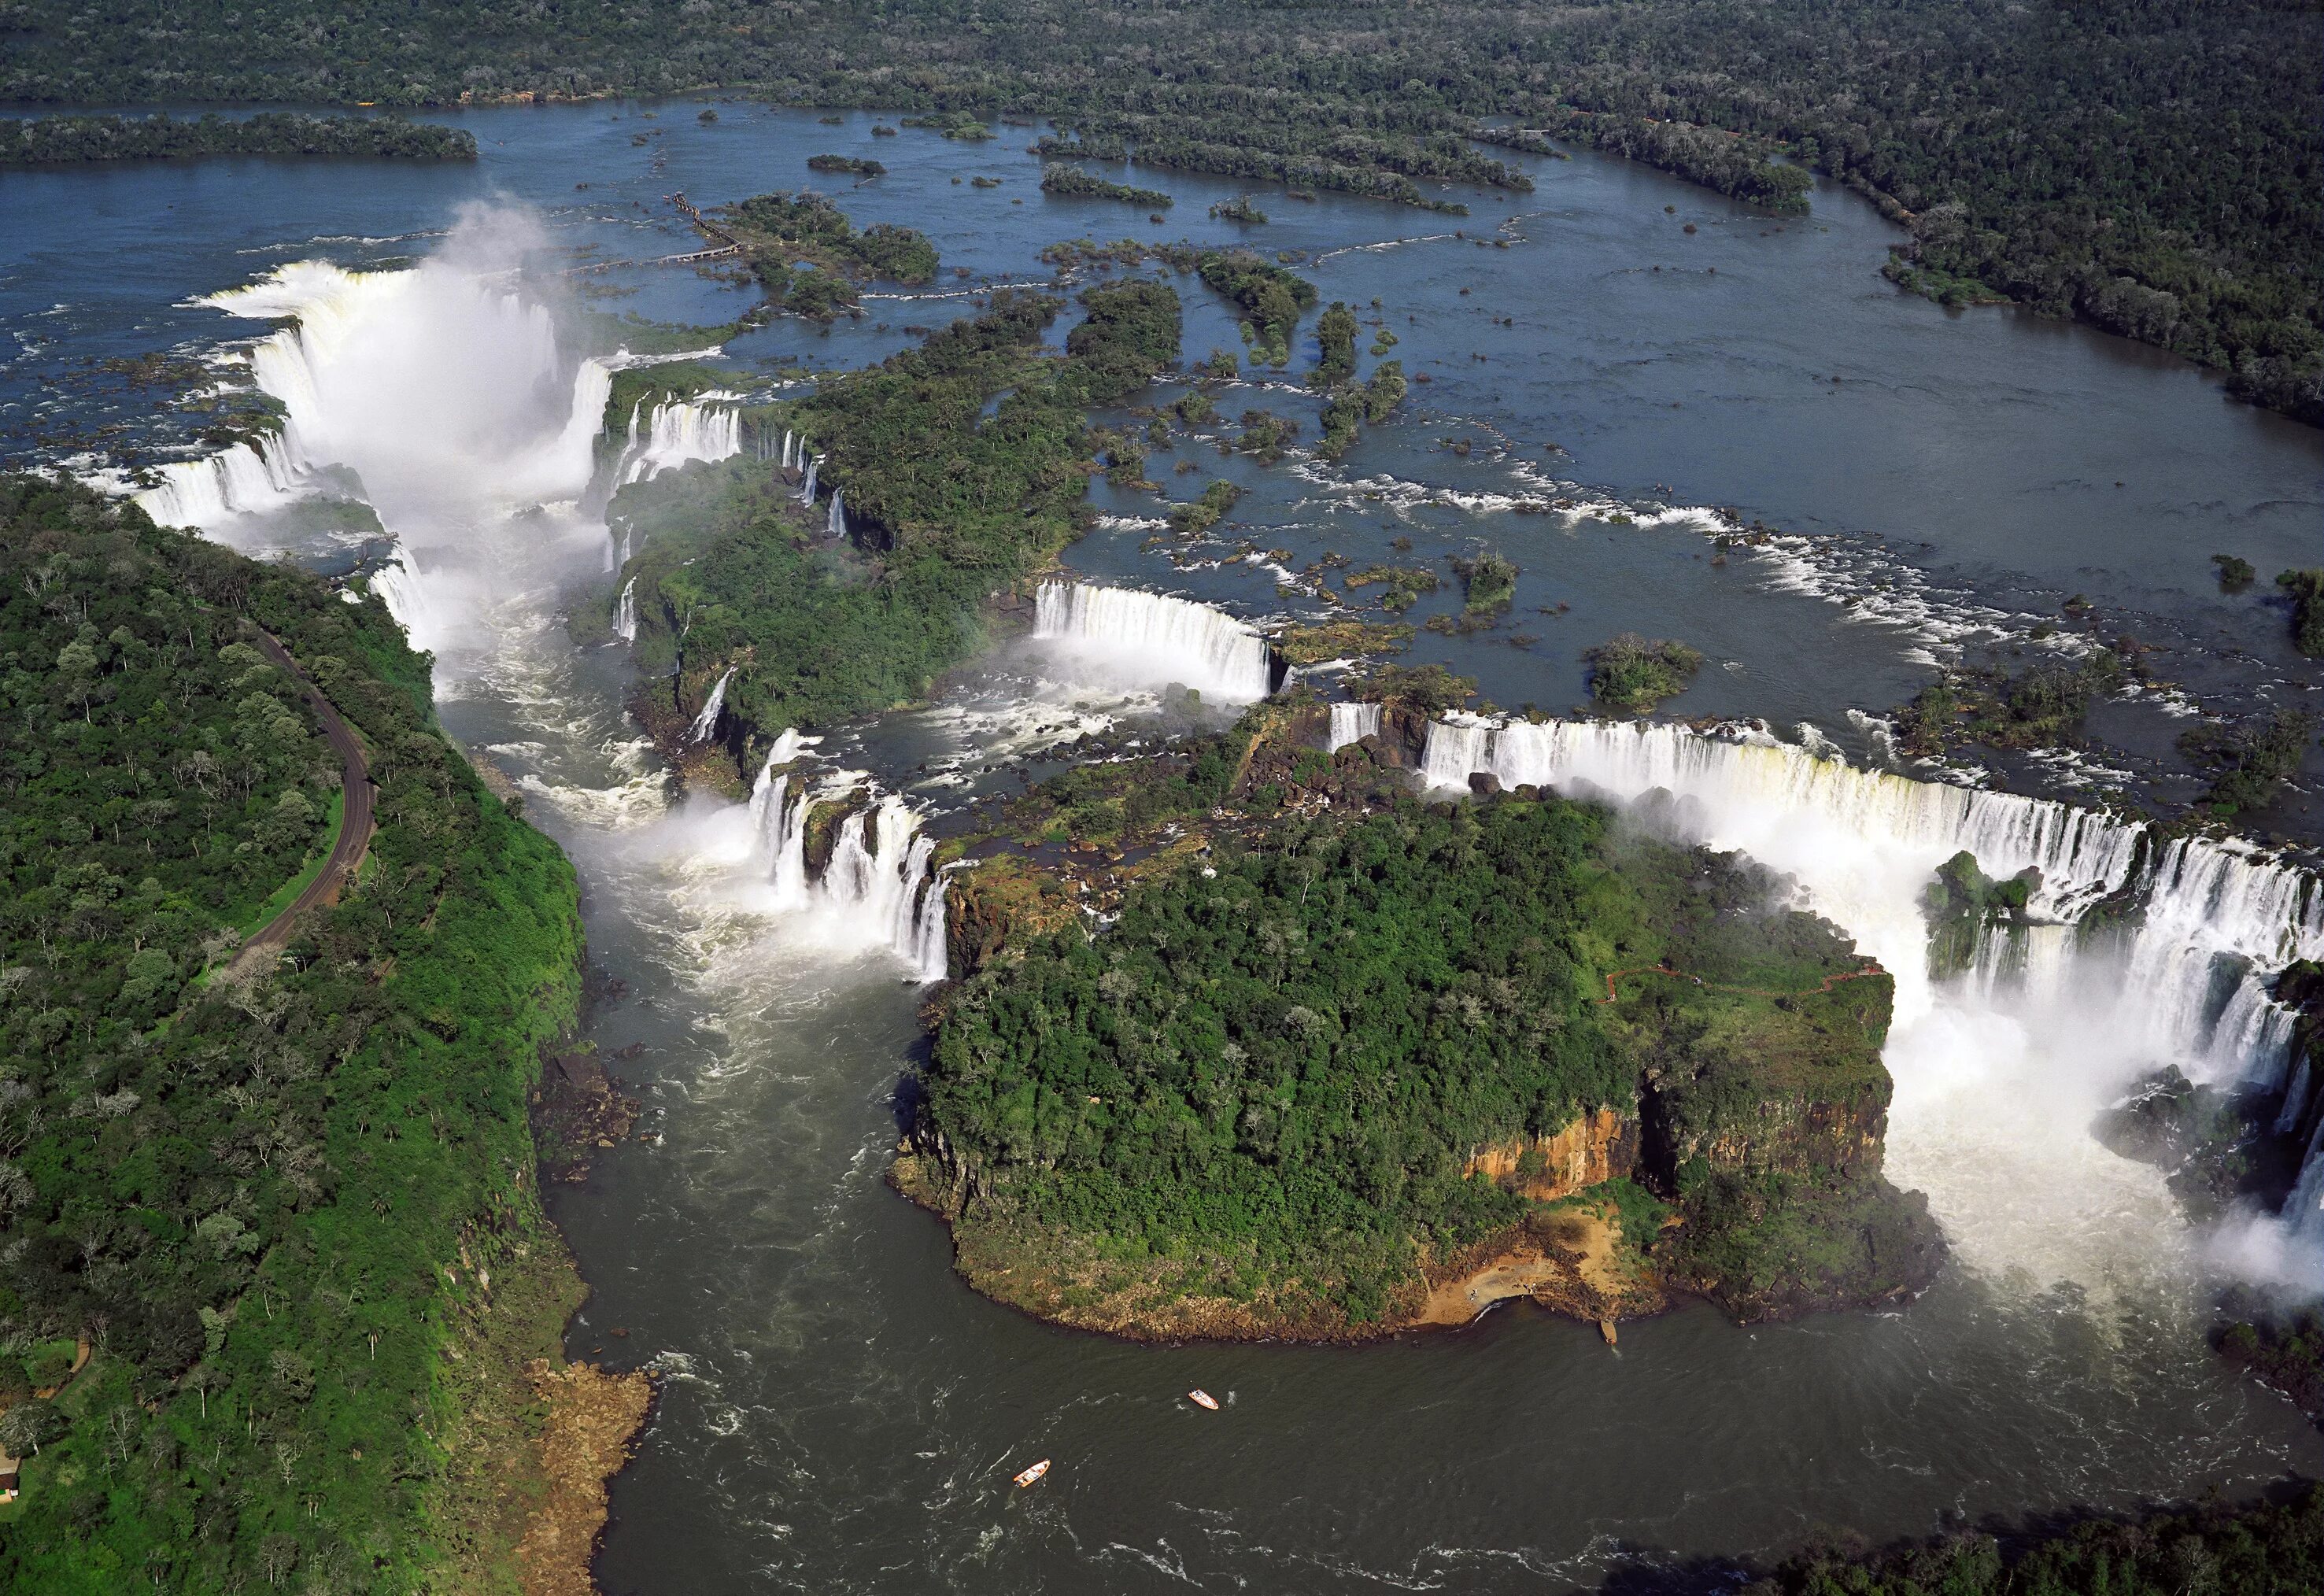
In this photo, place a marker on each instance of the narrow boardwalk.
(1869, 967)
(355, 822)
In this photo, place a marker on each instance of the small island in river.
(1341, 1062)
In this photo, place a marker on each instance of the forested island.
(1343, 1062)
(2152, 167)
(52, 141)
(278, 1303)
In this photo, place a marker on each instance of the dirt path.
(356, 822)
(1869, 967)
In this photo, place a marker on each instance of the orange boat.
(1202, 1399)
(1033, 1473)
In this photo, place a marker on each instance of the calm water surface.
(839, 1412)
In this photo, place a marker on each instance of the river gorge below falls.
(838, 1411)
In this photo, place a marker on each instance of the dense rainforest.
(2153, 166)
(284, 1214)
(1271, 1081)
(59, 139)
(960, 462)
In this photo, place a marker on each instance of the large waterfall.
(1151, 640)
(678, 432)
(879, 884)
(2057, 1019)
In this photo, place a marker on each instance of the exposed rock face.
(1595, 1147)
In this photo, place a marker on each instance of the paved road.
(356, 822)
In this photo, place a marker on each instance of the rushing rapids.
(877, 884)
(2145, 949)
(1151, 640)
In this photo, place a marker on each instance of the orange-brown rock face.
(1594, 1148)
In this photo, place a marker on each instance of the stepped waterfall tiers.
(2136, 948)
(678, 432)
(848, 858)
(1151, 640)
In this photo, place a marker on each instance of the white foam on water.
(1121, 636)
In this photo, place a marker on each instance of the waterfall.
(396, 583)
(239, 480)
(879, 886)
(787, 461)
(807, 488)
(625, 612)
(707, 722)
(836, 525)
(678, 432)
(2055, 1020)
(1151, 640)
(1353, 723)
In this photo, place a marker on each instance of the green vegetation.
(2283, 1349)
(1633, 674)
(1266, 434)
(1366, 401)
(1489, 582)
(854, 165)
(2306, 591)
(1404, 583)
(778, 232)
(2150, 166)
(1271, 298)
(2252, 759)
(1193, 520)
(2234, 574)
(1265, 1084)
(946, 502)
(1335, 335)
(1072, 182)
(56, 139)
(1239, 210)
(269, 1200)
(2252, 1549)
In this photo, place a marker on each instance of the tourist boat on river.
(1033, 1473)
(1202, 1399)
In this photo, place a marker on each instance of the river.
(839, 1412)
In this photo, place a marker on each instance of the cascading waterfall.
(1353, 723)
(707, 722)
(238, 480)
(625, 612)
(788, 437)
(836, 525)
(1151, 640)
(807, 488)
(2056, 1018)
(678, 432)
(880, 885)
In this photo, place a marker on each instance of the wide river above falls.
(839, 1412)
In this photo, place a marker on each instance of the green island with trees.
(1071, 182)
(283, 1219)
(1341, 1063)
(2150, 167)
(53, 141)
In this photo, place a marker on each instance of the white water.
(706, 722)
(837, 524)
(1999, 1073)
(1353, 723)
(1150, 640)
(625, 612)
(879, 887)
(807, 488)
(679, 432)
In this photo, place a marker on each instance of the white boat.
(1033, 1473)
(1202, 1399)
